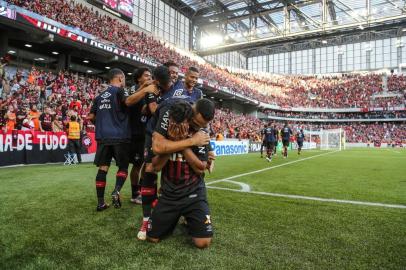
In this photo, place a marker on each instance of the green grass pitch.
(48, 218)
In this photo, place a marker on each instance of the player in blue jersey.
(263, 141)
(300, 139)
(173, 69)
(113, 136)
(286, 132)
(136, 103)
(270, 136)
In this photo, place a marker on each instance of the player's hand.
(178, 132)
(146, 84)
(151, 89)
(210, 162)
(200, 138)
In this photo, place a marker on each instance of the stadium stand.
(309, 91)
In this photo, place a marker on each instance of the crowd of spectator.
(286, 91)
(43, 101)
(331, 115)
(231, 125)
(378, 132)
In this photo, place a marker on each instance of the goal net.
(332, 139)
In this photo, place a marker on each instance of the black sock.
(134, 191)
(121, 176)
(100, 186)
(148, 192)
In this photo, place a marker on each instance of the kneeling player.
(183, 188)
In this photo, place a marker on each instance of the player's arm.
(159, 161)
(151, 101)
(141, 93)
(152, 107)
(161, 145)
(197, 165)
(92, 114)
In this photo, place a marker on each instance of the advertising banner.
(230, 147)
(56, 29)
(32, 147)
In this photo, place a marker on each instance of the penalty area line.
(299, 197)
(268, 168)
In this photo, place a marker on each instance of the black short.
(194, 208)
(270, 145)
(148, 154)
(136, 153)
(300, 144)
(105, 153)
(285, 143)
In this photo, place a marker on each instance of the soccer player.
(270, 138)
(173, 71)
(299, 139)
(183, 188)
(277, 136)
(113, 136)
(286, 132)
(263, 144)
(135, 102)
(163, 81)
(191, 77)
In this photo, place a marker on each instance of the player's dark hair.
(114, 73)
(139, 72)
(161, 74)
(193, 69)
(73, 117)
(206, 108)
(180, 111)
(171, 64)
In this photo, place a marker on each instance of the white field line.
(268, 168)
(393, 151)
(244, 187)
(313, 198)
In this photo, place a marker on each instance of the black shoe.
(115, 198)
(102, 207)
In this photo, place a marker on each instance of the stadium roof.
(251, 24)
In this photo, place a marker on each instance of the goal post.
(332, 139)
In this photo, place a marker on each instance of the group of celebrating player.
(158, 126)
(271, 136)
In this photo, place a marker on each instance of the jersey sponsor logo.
(178, 93)
(106, 95)
(208, 220)
(202, 150)
(144, 119)
(165, 121)
(105, 103)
